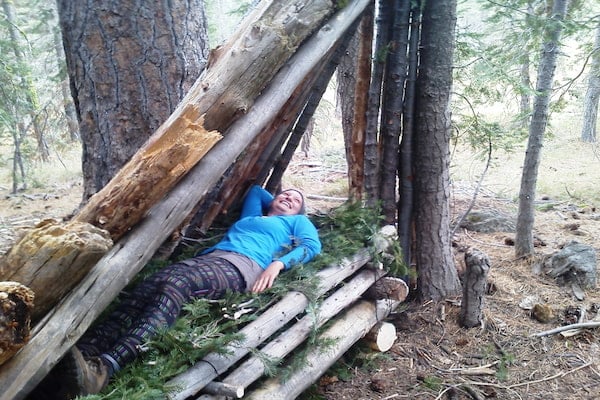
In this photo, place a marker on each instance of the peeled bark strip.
(344, 332)
(477, 268)
(381, 337)
(16, 302)
(52, 258)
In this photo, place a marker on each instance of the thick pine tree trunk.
(551, 47)
(437, 275)
(130, 63)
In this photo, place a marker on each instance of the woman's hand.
(266, 279)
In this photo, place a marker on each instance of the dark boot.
(79, 376)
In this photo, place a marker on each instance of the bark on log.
(344, 332)
(77, 311)
(477, 268)
(52, 258)
(16, 302)
(253, 368)
(388, 287)
(194, 379)
(381, 337)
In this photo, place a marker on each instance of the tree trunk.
(26, 85)
(405, 170)
(359, 123)
(76, 312)
(525, 217)
(474, 288)
(391, 113)
(130, 63)
(592, 95)
(372, 149)
(437, 275)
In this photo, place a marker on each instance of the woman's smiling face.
(288, 202)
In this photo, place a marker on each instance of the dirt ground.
(433, 357)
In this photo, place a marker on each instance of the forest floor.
(433, 357)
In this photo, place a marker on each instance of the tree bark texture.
(474, 288)
(359, 121)
(592, 95)
(372, 154)
(405, 169)
(130, 63)
(392, 109)
(16, 303)
(537, 128)
(437, 275)
(76, 312)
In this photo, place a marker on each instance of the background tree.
(537, 127)
(592, 94)
(130, 64)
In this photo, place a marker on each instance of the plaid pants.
(156, 302)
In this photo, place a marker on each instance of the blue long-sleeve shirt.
(291, 239)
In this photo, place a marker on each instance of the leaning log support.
(65, 324)
(344, 332)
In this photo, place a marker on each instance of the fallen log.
(16, 302)
(253, 368)
(52, 258)
(381, 337)
(344, 332)
(388, 287)
(210, 367)
(65, 324)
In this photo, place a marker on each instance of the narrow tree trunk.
(474, 288)
(392, 110)
(405, 170)
(592, 95)
(357, 135)
(437, 275)
(525, 217)
(372, 149)
(32, 102)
